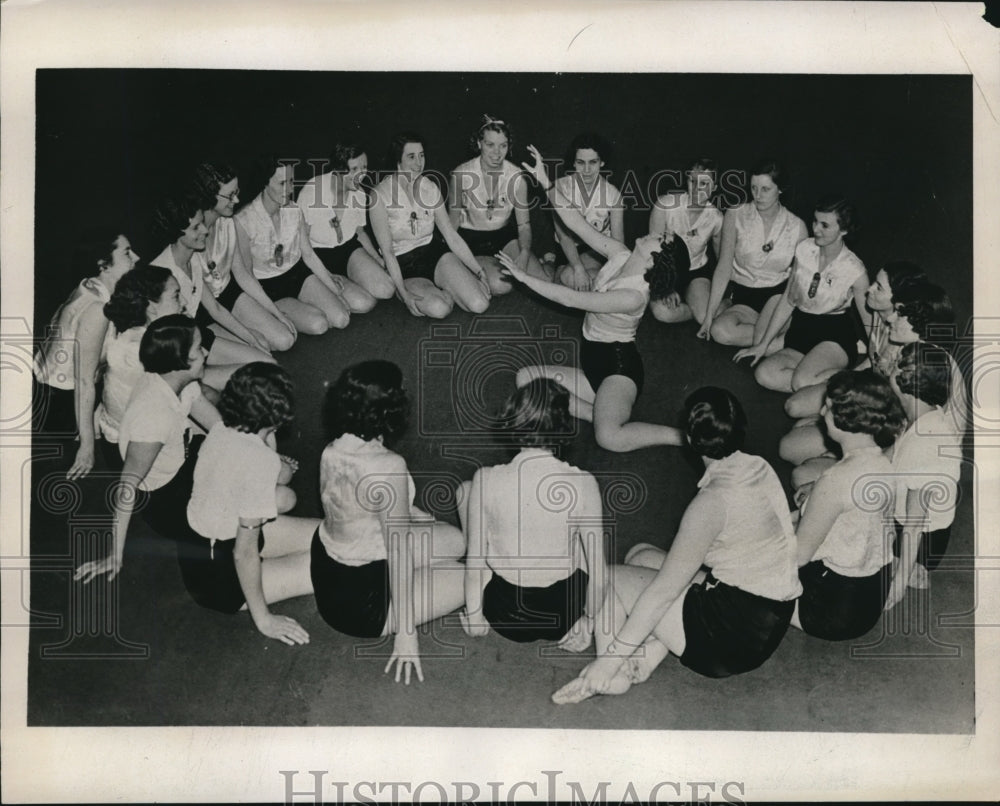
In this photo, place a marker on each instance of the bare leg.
(735, 326)
(463, 286)
(434, 302)
(307, 318)
(364, 271)
(498, 284)
(697, 296)
(806, 402)
(250, 312)
(801, 444)
(775, 371)
(357, 298)
(612, 409)
(822, 362)
(334, 307)
(226, 351)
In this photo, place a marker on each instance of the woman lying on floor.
(720, 624)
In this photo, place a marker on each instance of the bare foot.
(579, 689)
(918, 577)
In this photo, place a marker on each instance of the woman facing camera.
(228, 280)
(827, 278)
(535, 569)
(596, 200)
(380, 566)
(335, 206)
(692, 217)
(65, 366)
(489, 205)
(844, 545)
(274, 243)
(430, 274)
(758, 246)
(729, 621)
(605, 388)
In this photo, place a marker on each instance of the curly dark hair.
(924, 371)
(902, 273)
(258, 395)
(537, 414)
(668, 264)
(208, 178)
(368, 400)
(167, 343)
(132, 295)
(715, 422)
(594, 142)
(862, 402)
(343, 153)
(925, 306)
(173, 215)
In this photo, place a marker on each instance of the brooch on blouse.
(335, 223)
(212, 271)
(413, 222)
(279, 255)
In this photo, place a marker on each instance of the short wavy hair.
(594, 142)
(925, 306)
(778, 172)
(132, 295)
(398, 144)
(258, 395)
(863, 402)
(670, 263)
(714, 422)
(490, 124)
(166, 344)
(208, 178)
(924, 371)
(845, 211)
(343, 153)
(901, 274)
(173, 215)
(537, 414)
(368, 400)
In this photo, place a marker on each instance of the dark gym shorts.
(53, 410)
(686, 278)
(287, 285)
(335, 258)
(600, 360)
(755, 298)
(836, 607)
(807, 330)
(353, 599)
(165, 508)
(489, 242)
(729, 631)
(209, 571)
(932, 547)
(231, 293)
(525, 614)
(205, 322)
(422, 261)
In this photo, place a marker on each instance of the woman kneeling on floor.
(728, 621)
(535, 568)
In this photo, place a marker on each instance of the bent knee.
(338, 319)
(285, 499)
(436, 308)
(722, 333)
(313, 323)
(664, 313)
(477, 304)
(281, 341)
(363, 303)
(610, 438)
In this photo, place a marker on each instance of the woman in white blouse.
(827, 278)
(758, 245)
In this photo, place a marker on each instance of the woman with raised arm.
(535, 567)
(599, 202)
(154, 438)
(274, 243)
(488, 204)
(430, 274)
(758, 246)
(694, 218)
(335, 206)
(226, 277)
(380, 566)
(66, 365)
(604, 390)
(724, 623)
(827, 278)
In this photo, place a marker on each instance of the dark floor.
(152, 657)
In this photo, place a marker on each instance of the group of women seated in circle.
(188, 341)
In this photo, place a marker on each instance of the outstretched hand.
(756, 353)
(90, 571)
(285, 629)
(705, 331)
(510, 267)
(410, 300)
(579, 636)
(406, 656)
(538, 169)
(476, 625)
